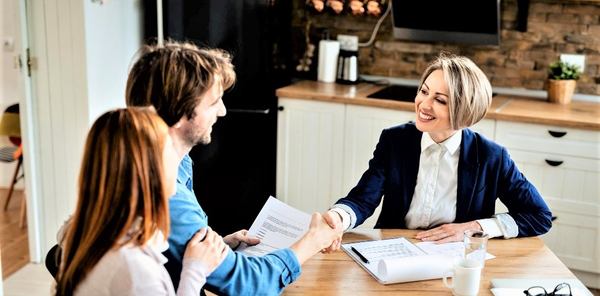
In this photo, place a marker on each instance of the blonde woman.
(438, 175)
(113, 242)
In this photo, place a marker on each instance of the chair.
(10, 126)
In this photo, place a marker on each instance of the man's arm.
(238, 274)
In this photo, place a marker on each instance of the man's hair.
(173, 77)
(121, 196)
(470, 91)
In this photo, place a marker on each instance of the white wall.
(10, 82)
(113, 35)
(83, 51)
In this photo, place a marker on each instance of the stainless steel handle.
(250, 111)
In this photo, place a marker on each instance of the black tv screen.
(460, 21)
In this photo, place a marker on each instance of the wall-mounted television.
(459, 21)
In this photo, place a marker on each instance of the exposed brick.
(590, 19)
(570, 48)
(531, 74)
(508, 82)
(594, 30)
(582, 9)
(544, 7)
(533, 84)
(509, 25)
(591, 70)
(540, 17)
(521, 60)
(593, 60)
(515, 44)
(587, 88)
(520, 64)
(583, 39)
(404, 47)
(564, 18)
(585, 79)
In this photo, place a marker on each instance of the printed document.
(398, 260)
(455, 249)
(278, 226)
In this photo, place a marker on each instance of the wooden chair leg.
(23, 212)
(12, 184)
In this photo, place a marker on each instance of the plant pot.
(561, 91)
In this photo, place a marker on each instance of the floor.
(14, 245)
(31, 280)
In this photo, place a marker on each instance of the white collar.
(451, 144)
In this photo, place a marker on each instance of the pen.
(363, 258)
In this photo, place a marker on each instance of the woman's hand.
(207, 247)
(319, 236)
(446, 233)
(334, 221)
(235, 239)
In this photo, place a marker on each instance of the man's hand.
(335, 222)
(446, 233)
(235, 239)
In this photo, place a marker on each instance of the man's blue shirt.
(238, 274)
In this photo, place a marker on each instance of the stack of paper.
(398, 260)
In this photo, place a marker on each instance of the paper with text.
(278, 226)
(398, 260)
(455, 249)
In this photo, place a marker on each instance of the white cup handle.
(448, 274)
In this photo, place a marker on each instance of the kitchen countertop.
(578, 114)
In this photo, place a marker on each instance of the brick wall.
(521, 60)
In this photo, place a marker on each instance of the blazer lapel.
(468, 167)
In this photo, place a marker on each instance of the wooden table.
(338, 274)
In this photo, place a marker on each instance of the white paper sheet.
(278, 226)
(398, 260)
(455, 250)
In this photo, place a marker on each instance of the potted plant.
(562, 79)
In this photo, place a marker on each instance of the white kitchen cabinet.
(309, 153)
(564, 165)
(362, 130)
(486, 127)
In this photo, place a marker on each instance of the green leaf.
(562, 71)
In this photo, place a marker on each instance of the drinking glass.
(475, 242)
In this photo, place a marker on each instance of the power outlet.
(574, 59)
(348, 42)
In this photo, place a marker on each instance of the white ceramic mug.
(466, 276)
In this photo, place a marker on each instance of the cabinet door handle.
(250, 111)
(557, 134)
(280, 108)
(553, 162)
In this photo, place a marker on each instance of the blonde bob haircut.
(470, 91)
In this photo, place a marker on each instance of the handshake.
(324, 235)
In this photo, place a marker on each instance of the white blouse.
(138, 270)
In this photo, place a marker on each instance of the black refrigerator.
(235, 173)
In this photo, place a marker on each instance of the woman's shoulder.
(485, 148)
(122, 269)
(128, 262)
